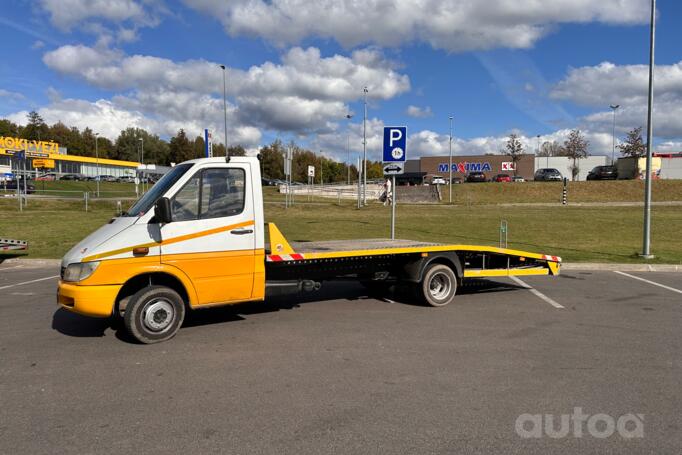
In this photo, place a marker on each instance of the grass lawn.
(70, 188)
(597, 234)
(544, 192)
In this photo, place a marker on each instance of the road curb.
(33, 263)
(587, 266)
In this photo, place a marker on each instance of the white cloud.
(109, 117)
(419, 112)
(626, 85)
(306, 92)
(101, 116)
(65, 14)
(608, 83)
(303, 73)
(11, 95)
(453, 25)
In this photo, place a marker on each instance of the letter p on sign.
(395, 139)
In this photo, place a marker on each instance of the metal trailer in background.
(12, 248)
(671, 167)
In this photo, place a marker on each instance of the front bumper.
(95, 301)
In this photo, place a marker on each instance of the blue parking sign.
(395, 140)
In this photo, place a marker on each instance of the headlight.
(79, 271)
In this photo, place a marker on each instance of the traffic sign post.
(395, 153)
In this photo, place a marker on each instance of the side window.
(222, 192)
(185, 204)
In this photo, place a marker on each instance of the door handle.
(241, 231)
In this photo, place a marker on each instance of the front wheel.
(439, 285)
(154, 314)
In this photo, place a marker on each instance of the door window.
(222, 192)
(211, 193)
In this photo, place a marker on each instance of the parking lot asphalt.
(339, 371)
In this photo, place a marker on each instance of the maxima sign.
(465, 167)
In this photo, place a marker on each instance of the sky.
(295, 69)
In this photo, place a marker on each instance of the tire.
(154, 314)
(438, 286)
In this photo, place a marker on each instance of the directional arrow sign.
(396, 168)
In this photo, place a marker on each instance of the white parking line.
(28, 282)
(536, 292)
(649, 282)
(10, 268)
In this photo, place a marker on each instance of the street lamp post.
(142, 160)
(613, 150)
(97, 161)
(225, 107)
(646, 247)
(348, 117)
(364, 150)
(450, 163)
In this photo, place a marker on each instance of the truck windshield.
(147, 201)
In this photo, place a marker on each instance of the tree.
(633, 145)
(128, 146)
(550, 148)
(575, 147)
(181, 149)
(514, 149)
(236, 150)
(36, 129)
(8, 128)
(272, 160)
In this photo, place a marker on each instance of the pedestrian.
(388, 192)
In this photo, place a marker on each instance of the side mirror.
(162, 210)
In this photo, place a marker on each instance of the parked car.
(47, 177)
(476, 177)
(502, 178)
(603, 173)
(126, 179)
(518, 179)
(75, 177)
(457, 180)
(11, 185)
(105, 178)
(438, 181)
(547, 175)
(268, 182)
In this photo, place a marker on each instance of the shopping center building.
(46, 156)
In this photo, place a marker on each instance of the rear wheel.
(439, 285)
(154, 314)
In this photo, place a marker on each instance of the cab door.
(212, 237)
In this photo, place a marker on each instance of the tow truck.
(197, 240)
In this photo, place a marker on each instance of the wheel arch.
(164, 276)
(414, 271)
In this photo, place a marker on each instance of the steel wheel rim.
(440, 286)
(158, 315)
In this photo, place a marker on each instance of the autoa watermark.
(601, 426)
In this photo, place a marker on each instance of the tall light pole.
(225, 107)
(142, 160)
(348, 117)
(613, 150)
(450, 165)
(646, 248)
(97, 161)
(364, 150)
